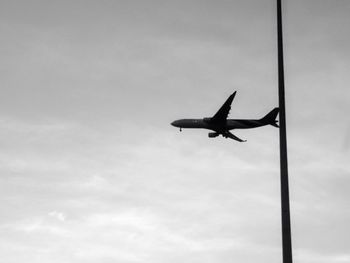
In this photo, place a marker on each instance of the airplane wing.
(221, 115)
(227, 134)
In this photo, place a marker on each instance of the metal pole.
(286, 230)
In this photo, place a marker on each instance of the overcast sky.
(92, 171)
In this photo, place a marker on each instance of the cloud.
(57, 215)
(92, 171)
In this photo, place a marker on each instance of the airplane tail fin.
(270, 118)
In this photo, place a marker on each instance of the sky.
(92, 171)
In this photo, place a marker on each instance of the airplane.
(222, 126)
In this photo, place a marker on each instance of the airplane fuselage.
(229, 125)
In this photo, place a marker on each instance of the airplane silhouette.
(222, 126)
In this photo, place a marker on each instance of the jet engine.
(213, 134)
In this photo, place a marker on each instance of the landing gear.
(180, 129)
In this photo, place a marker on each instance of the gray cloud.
(91, 170)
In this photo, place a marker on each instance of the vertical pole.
(286, 230)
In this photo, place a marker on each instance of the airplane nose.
(174, 123)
